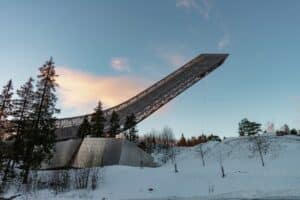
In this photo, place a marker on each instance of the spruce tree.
(243, 127)
(22, 108)
(130, 128)
(247, 127)
(39, 142)
(293, 132)
(84, 129)
(254, 128)
(114, 124)
(6, 106)
(182, 141)
(98, 121)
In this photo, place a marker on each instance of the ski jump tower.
(151, 99)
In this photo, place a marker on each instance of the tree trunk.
(6, 172)
(26, 174)
(175, 167)
(261, 158)
(202, 156)
(27, 162)
(222, 171)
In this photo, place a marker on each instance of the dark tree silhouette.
(130, 126)
(39, 142)
(98, 121)
(84, 129)
(114, 124)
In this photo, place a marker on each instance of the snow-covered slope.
(245, 176)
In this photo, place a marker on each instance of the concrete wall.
(93, 152)
(90, 153)
(133, 156)
(64, 152)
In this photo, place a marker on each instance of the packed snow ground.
(245, 176)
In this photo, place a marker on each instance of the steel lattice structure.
(151, 99)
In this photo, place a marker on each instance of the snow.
(245, 177)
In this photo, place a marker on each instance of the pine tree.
(182, 141)
(243, 127)
(98, 121)
(114, 124)
(293, 132)
(254, 128)
(6, 106)
(40, 139)
(247, 127)
(22, 109)
(84, 129)
(130, 126)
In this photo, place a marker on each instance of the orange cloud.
(80, 91)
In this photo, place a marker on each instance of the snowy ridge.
(245, 176)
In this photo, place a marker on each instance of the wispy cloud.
(174, 59)
(120, 64)
(202, 6)
(187, 4)
(224, 42)
(80, 91)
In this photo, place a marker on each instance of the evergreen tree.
(39, 142)
(6, 106)
(182, 141)
(243, 127)
(248, 128)
(130, 126)
(254, 128)
(114, 124)
(84, 129)
(98, 121)
(293, 132)
(22, 110)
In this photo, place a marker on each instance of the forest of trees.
(27, 125)
(95, 127)
(29, 121)
(248, 128)
(187, 142)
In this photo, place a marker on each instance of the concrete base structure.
(94, 152)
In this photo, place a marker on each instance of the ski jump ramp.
(151, 99)
(73, 152)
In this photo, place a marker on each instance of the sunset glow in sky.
(111, 50)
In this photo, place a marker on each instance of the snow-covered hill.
(244, 174)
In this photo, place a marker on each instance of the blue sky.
(127, 45)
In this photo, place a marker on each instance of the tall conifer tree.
(84, 128)
(5, 106)
(22, 108)
(40, 139)
(98, 121)
(114, 124)
(130, 128)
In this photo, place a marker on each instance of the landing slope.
(245, 176)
